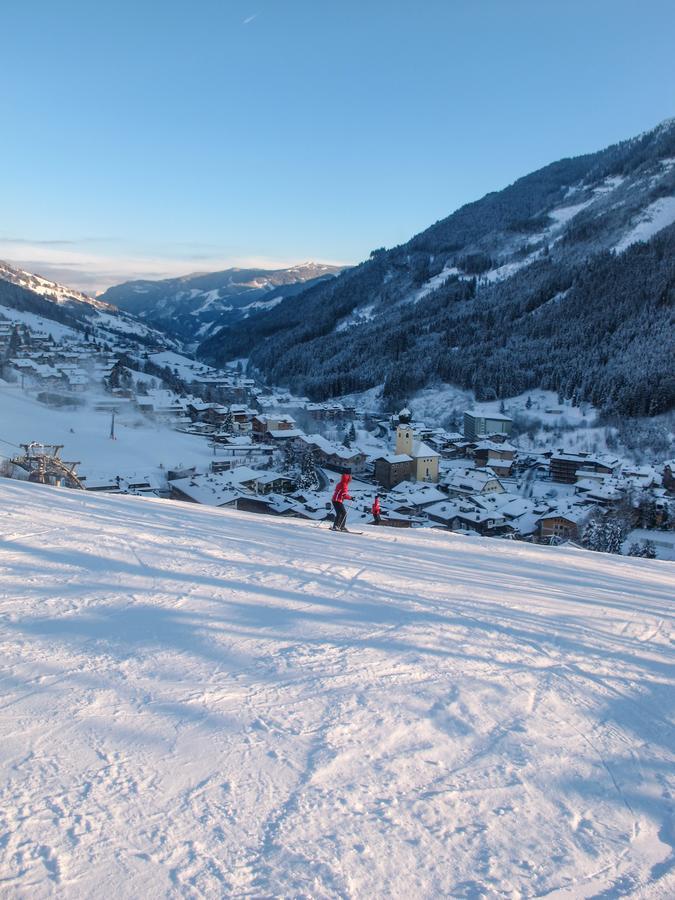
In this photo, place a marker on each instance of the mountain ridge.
(192, 306)
(540, 235)
(35, 298)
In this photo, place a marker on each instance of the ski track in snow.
(198, 703)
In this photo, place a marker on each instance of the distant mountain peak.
(191, 307)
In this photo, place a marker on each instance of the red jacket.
(341, 491)
(376, 506)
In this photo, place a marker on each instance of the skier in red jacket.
(377, 512)
(340, 494)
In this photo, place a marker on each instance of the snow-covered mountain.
(50, 306)
(57, 293)
(544, 284)
(207, 703)
(195, 306)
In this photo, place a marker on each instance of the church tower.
(404, 439)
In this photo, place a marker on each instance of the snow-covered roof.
(493, 417)
(468, 512)
(421, 450)
(572, 512)
(494, 445)
(414, 494)
(470, 480)
(331, 448)
(284, 433)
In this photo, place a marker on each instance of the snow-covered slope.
(58, 293)
(203, 704)
(39, 302)
(141, 445)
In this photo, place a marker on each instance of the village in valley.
(536, 468)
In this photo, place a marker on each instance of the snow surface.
(39, 323)
(656, 216)
(141, 445)
(564, 214)
(433, 283)
(198, 703)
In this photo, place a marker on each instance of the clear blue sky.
(163, 137)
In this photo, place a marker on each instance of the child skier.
(341, 494)
(376, 510)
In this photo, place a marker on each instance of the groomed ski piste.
(203, 703)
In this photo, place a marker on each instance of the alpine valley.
(564, 280)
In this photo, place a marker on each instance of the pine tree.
(346, 442)
(289, 461)
(643, 549)
(228, 422)
(14, 342)
(528, 405)
(352, 432)
(649, 551)
(613, 537)
(594, 536)
(309, 480)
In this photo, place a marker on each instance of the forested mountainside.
(563, 280)
(194, 306)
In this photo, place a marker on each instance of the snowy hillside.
(200, 704)
(58, 293)
(53, 308)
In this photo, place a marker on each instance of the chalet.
(669, 476)
(462, 514)
(603, 492)
(465, 482)
(642, 477)
(266, 482)
(215, 414)
(413, 498)
(498, 456)
(208, 490)
(564, 523)
(478, 425)
(264, 424)
(520, 513)
(321, 412)
(333, 455)
(241, 418)
(122, 484)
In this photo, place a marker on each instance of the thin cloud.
(93, 273)
(35, 241)
(249, 19)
